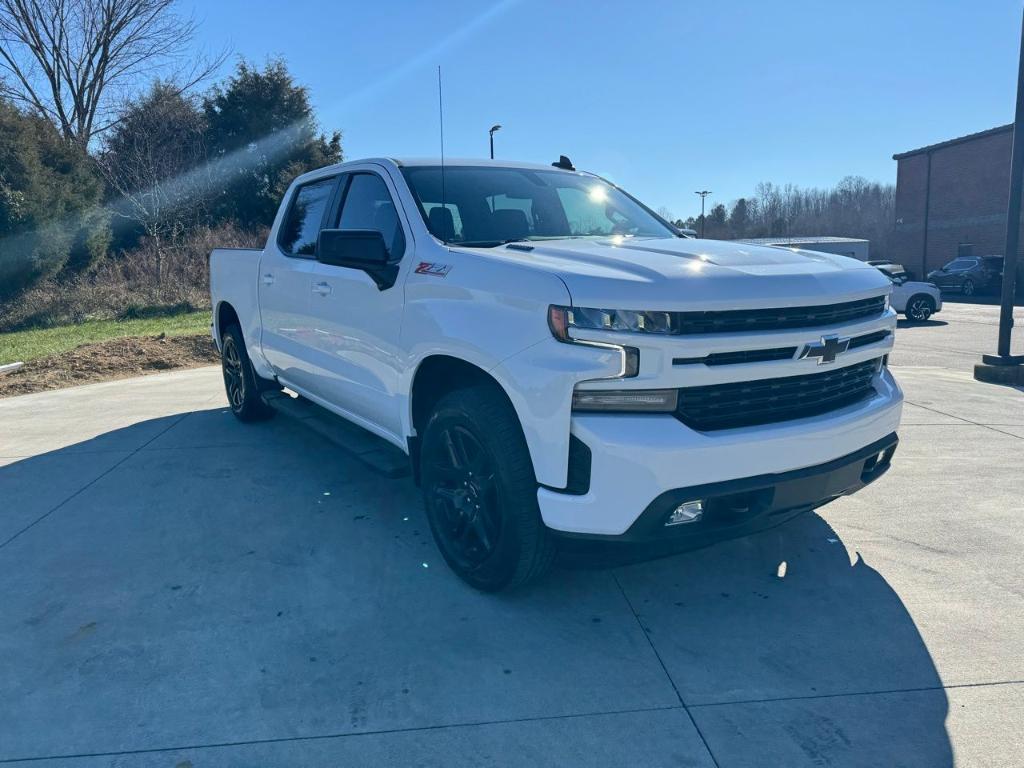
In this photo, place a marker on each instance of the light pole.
(490, 134)
(703, 193)
(1005, 367)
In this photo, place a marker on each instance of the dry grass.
(145, 282)
(112, 359)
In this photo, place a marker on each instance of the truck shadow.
(223, 520)
(792, 617)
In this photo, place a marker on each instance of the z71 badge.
(437, 270)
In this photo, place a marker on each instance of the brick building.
(951, 199)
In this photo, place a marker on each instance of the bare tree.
(75, 60)
(154, 158)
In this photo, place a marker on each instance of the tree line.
(120, 163)
(855, 207)
(109, 147)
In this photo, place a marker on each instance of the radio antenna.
(440, 112)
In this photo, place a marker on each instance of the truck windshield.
(484, 207)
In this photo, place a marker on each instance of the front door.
(357, 324)
(285, 283)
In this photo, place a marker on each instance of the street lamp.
(1004, 367)
(703, 193)
(490, 134)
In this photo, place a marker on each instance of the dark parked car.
(970, 275)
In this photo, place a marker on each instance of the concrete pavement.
(182, 590)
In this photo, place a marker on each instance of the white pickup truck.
(558, 361)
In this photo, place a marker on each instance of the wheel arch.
(436, 376)
(224, 316)
(922, 295)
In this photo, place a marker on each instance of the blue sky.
(662, 97)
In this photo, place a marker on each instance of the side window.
(302, 224)
(368, 205)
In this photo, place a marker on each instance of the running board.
(375, 452)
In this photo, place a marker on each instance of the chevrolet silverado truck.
(556, 360)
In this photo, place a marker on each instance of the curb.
(999, 374)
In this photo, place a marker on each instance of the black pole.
(492, 144)
(1012, 225)
(1013, 212)
(703, 193)
(1002, 367)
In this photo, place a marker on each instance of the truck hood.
(686, 274)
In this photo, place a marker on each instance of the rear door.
(286, 276)
(357, 324)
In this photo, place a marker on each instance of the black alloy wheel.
(241, 384)
(464, 499)
(480, 491)
(234, 379)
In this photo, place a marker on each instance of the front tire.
(968, 288)
(920, 308)
(480, 491)
(240, 381)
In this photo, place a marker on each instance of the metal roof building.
(843, 246)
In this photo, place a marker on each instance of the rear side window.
(301, 226)
(368, 205)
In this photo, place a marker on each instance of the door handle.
(322, 288)
(268, 279)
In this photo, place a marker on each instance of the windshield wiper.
(490, 243)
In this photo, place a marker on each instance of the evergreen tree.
(261, 133)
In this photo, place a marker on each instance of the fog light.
(687, 512)
(642, 400)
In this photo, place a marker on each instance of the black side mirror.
(362, 249)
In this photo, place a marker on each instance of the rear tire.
(968, 288)
(242, 385)
(480, 491)
(920, 308)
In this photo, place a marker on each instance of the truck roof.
(464, 161)
(411, 162)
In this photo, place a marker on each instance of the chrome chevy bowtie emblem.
(826, 350)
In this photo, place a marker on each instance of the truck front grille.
(748, 403)
(768, 355)
(740, 320)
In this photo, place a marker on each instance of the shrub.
(144, 282)
(49, 202)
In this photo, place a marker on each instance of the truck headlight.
(630, 400)
(622, 320)
(561, 319)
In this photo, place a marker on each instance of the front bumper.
(736, 507)
(640, 464)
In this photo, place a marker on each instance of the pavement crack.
(682, 702)
(884, 692)
(330, 736)
(89, 484)
(969, 421)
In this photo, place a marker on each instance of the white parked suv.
(556, 360)
(916, 300)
